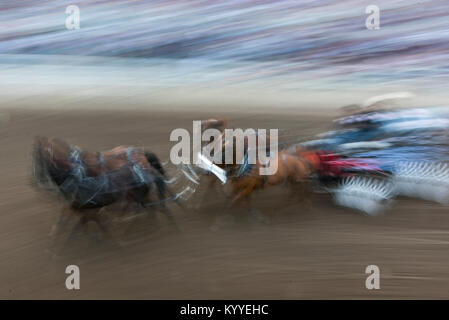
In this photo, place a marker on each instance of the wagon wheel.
(367, 193)
(427, 180)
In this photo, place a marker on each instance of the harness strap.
(136, 168)
(78, 167)
(285, 165)
(77, 174)
(104, 175)
(244, 168)
(101, 160)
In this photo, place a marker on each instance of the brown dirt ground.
(319, 251)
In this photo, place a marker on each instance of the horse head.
(214, 123)
(51, 161)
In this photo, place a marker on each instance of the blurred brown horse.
(295, 168)
(93, 180)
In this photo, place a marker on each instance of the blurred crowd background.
(311, 44)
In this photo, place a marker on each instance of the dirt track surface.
(316, 251)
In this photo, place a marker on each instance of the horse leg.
(228, 218)
(303, 184)
(143, 212)
(253, 214)
(105, 230)
(79, 225)
(306, 194)
(298, 177)
(125, 205)
(243, 194)
(62, 221)
(57, 229)
(151, 215)
(302, 193)
(160, 184)
(210, 188)
(163, 208)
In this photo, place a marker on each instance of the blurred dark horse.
(93, 180)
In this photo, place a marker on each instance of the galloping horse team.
(375, 155)
(127, 176)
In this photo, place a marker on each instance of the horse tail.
(161, 185)
(155, 162)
